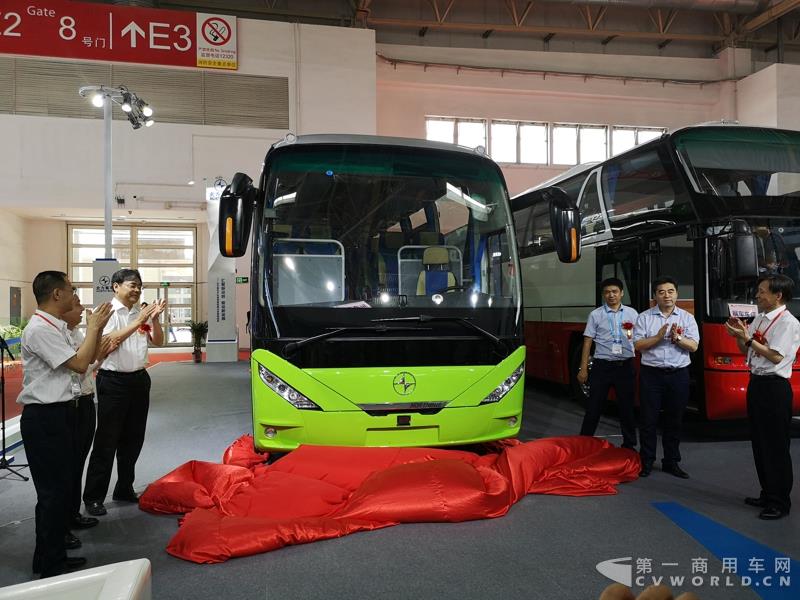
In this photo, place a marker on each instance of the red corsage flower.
(628, 327)
(759, 337)
(679, 330)
(145, 329)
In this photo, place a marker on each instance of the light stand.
(4, 464)
(139, 113)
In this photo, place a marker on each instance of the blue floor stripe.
(725, 543)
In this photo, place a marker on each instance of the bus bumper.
(278, 425)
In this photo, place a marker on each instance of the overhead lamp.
(126, 103)
(138, 113)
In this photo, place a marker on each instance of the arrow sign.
(133, 29)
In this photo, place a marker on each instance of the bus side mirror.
(236, 216)
(565, 219)
(745, 255)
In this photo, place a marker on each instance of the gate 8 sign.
(102, 32)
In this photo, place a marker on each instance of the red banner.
(64, 29)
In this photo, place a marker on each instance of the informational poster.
(223, 343)
(102, 270)
(63, 29)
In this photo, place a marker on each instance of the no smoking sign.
(216, 31)
(216, 43)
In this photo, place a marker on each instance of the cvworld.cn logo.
(616, 569)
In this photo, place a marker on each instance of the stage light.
(126, 103)
(149, 123)
(98, 100)
(147, 111)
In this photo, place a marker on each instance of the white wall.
(12, 260)
(54, 166)
(408, 93)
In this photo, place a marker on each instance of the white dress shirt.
(783, 336)
(87, 379)
(665, 354)
(46, 346)
(132, 353)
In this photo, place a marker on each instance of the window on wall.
(165, 257)
(464, 132)
(578, 144)
(625, 138)
(531, 143)
(518, 142)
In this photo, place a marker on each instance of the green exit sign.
(165, 284)
(242, 279)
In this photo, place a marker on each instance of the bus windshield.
(386, 231)
(741, 161)
(778, 251)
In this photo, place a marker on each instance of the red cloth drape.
(244, 507)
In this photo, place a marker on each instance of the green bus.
(385, 293)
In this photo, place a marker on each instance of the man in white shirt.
(51, 369)
(123, 393)
(770, 343)
(84, 419)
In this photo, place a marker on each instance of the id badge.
(616, 349)
(75, 386)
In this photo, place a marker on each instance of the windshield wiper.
(292, 347)
(500, 344)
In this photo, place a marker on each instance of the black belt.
(667, 369)
(617, 363)
(767, 376)
(108, 373)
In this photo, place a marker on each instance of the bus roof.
(375, 140)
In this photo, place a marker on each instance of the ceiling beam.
(768, 16)
(536, 29)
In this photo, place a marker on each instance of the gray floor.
(546, 547)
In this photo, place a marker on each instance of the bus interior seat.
(280, 230)
(389, 243)
(436, 275)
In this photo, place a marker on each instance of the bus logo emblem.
(404, 383)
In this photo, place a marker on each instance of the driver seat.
(436, 275)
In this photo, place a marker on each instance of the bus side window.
(591, 216)
(541, 233)
(637, 184)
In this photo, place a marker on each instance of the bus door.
(627, 262)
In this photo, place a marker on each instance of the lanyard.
(66, 335)
(615, 325)
(775, 320)
(47, 320)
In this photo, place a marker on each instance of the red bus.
(712, 206)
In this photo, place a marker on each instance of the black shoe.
(81, 522)
(96, 509)
(771, 513)
(646, 470)
(71, 542)
(129, 496)
(674, 469)
(69, 563)
(758, 502)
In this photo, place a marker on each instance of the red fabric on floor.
(245, 507)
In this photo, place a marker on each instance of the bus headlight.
(501, 390)
(284, 390)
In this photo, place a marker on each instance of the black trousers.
(84, 416)
(604, 375)
(47, 431)
(662, 393)
(769, 410)
(123, 400)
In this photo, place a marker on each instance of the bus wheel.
(579, 391)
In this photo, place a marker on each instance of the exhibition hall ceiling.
(651, 27)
